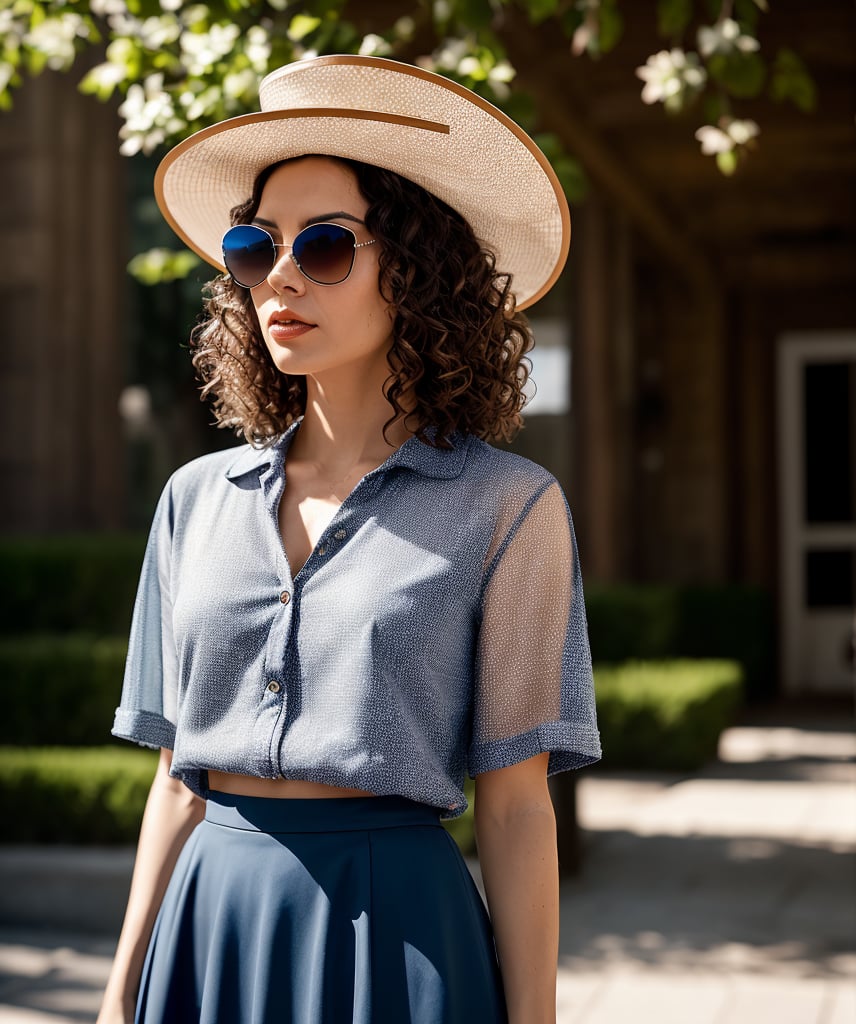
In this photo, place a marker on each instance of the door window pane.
(829, 443)
(829, 578)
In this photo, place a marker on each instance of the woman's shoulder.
(207, 471)
(505, 471)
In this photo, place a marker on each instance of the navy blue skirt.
(341, 911)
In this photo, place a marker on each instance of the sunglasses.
(323, 253)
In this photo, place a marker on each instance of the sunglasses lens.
(249, 254)
(325, 252)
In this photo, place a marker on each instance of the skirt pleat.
(340, 911)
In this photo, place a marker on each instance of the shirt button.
(274, 686)
(340, 534)
(284, 597)
(322, 550)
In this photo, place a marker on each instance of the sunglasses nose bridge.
(279, 272)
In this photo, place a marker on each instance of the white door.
(817, 509)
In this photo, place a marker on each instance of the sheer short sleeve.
(534, 690)
(147, 711)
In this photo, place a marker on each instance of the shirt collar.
(440, 463)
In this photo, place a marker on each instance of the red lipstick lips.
(283, 325)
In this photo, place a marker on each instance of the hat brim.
(424, 127)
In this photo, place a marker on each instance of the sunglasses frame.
(294, 259)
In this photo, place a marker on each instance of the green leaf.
(570, 20)
(572, 178)
(611, 26)
(36, 61)
(673, 16)
(38, 15)
(568, 170)
(95, 84)
(301, 26)
(715, 106)
(158, 265)
(791, 81)
(747, 13)
(473, 14)
(540, 10)
(727, 162)
(742, 74)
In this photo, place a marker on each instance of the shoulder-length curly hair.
(457, 360)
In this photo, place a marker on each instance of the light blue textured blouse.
(437, 628)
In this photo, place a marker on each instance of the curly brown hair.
(457, 360)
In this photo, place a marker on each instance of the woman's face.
(312, 329)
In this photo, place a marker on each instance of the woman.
(321, 662)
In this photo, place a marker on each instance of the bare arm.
(516, 835)
(172, 812)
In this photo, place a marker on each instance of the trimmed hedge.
(60, 689)
(69, 795)
(655, 716)
(657, 622)
(75, 582)
(87, 582)
(665, 715)
(97, 796)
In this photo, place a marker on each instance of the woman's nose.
(284, 273)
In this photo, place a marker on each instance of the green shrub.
(97, 795)
(62, 795)
(462, 828)
(76, 582)
(666, 715)
(656, 622)
(60, 689)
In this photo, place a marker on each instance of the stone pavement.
(724, 897)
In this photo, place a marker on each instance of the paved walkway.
(726, 897)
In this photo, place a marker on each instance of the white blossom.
(149, 117)
(156, 33)
(12, 29)
(724, 37)
(730, 134)
(374, 46)
(502, 71)
(203, 103)
(470, 67)
(200, 51)
(714, 140)
(55, 38)
(742, 131)
(450, 53)
(123, 23)
(671, 77)
(257, 47)
(107, 76)
(106, 8)
(239, 83)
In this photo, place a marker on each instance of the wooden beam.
(539, 72)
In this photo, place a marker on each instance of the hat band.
(362, 115)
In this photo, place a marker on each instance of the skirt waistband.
(337, 814)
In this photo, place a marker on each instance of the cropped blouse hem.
(143, 727)
(569, 744)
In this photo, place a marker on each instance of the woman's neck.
(343, 426)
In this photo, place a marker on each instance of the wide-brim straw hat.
(378, 111)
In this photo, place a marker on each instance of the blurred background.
(694, 392)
